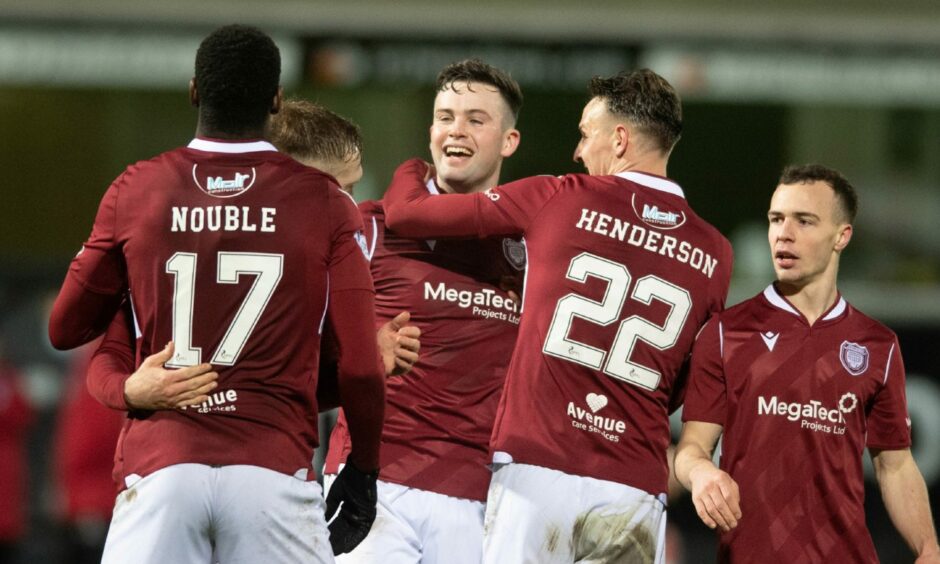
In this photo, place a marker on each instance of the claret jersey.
(621, 275)
(230, 249)
(439, 416)
(798, 404)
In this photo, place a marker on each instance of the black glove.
(353, 495)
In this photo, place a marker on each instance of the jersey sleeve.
(888, 422)
(113, 362)
(349, 263)
(95, 283)
(706, 394)
(410, 211)
(327, 383)
(351, 315)
(361, 379)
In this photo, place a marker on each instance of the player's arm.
(112, 380)
(94, 285)
(905, 497)
(714, 493)
(82, 312)
(901, 483)
(350, 505)
(410, 211)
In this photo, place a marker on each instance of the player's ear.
(845, 235)
(511, 138)
(193, 92)
(278, 99)
(621, 140)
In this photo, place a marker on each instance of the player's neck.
(214, 133)
(649, 163)
(467, 188)
(812, 299)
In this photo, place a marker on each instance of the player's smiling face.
(471, 134)
(806, 233)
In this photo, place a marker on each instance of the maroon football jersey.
(621, 275)
(798, 404)
(230, 250)
(439, 416)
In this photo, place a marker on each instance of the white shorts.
(539, 515)
(417, 526)
(195, 514)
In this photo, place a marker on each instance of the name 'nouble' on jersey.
(626, 273)
(219, 249)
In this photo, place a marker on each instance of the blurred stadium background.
(89, 86)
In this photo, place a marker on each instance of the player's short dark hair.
(845, 192)
(238, 71)
(475, 70)
(647, 100)
(305, 130)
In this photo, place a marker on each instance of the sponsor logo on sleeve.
(854, 358)
(812, 415)
(363, 244)
(589, 421)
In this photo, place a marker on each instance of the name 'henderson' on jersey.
(621, 275)
(178, 226)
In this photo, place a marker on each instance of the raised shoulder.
(371, 208)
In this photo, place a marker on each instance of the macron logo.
(770, 339)
(653, 215)
(220, 184)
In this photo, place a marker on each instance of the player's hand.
(930, 555)
(350, 507)
(510, 284)
(398, 344)
(154, 387)
(429, 172)
(716, 497)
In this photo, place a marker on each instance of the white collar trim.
(777, 300)
(653, 182)
(432, 187)
(235, 147)
(838, 310)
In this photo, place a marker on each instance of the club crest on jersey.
(653, 216)
(854, 358)
(514, 252)
(224, 186)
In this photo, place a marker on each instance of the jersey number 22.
(607, 311)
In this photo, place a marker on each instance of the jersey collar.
(780, 302)
(654, 182)
(230, 146)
